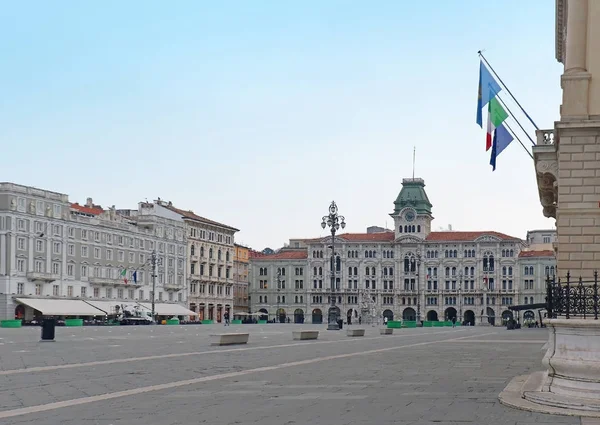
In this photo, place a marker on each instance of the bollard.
(48, 328)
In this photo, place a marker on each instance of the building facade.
(241, 259)
(210, 250)
(409, 273)
(567, 158)
(53, 249)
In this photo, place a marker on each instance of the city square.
(170, 375)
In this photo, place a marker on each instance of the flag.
(135, 276)
(488, 89)
(496, 116)
(124, 274)
(502, 139)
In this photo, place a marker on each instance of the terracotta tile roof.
(465, 236)
(255, 254)
(283, 255)
(95, 210)
(543, 253)
(433, 237)
(192, 216)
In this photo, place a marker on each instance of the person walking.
(454, 322)
(226, 317)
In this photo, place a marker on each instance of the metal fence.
(570, 298)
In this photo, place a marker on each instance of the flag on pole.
(502, 139)
(496, 116)
(488, 89)
(135, 276)
(124, 275)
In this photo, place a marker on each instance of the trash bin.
(48, 327)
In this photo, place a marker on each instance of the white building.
(410, 273)
(64, 259)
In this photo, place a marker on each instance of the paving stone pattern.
(420, 376)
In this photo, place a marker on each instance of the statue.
(13, 204)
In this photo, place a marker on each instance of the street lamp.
(418, 255)
(460, 280)
(277, 315)
(334, 221)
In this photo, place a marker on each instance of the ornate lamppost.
(460, 281)
(334, 221)
(418, 260)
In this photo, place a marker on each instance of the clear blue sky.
(259, 113)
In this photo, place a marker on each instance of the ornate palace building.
(410, 273)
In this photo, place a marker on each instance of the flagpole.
(414, 154)
(514, 118)
(508, 90)
(516, 137)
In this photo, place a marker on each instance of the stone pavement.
(169, 375)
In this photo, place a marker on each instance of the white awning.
(167, 309)
(54, 307)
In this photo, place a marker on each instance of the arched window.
(210, 253)
(465, 253)
(399, 229)
(355, 271)
(366, 254)
(320, 271)
(466, 271)
(472, 271)
(227, 256)
(391, 271)
(503, 270)
(504, 253)
(455, 253)
(283, 299)
(552, 270)
(419, 228)
(372, 271)
(201, 251)
(366, 271)
(453, 271)
(193, 250)
(447, 271)
(296, 299)
(350, 271)
(547, 270)
(219, 255)
(446, 253)
(413, 228)
(314, 271)
(510, 270)
(385, 271)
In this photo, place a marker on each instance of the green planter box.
(438, 324)
(409, 324)
(448, 323)
(394, 324)
(173, 322)
(427, 324)
(207, 322)
(73, 322)
(458, 324)
(236, 322)
(11, 323)
(262, 322)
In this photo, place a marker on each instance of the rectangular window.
(83, 292)
(109, 255)
(20, 265)
(108, 292)
(39, 266)
(83, 271)
(132, 257)
(20, 288)
(120, 293)
(39, 245)
(71, 249)
(84, 251)
(55, 290)
(55, 268)
(84, 234)
(70, 270)
(21, 244)
(96, 252)
(69, 291)
(38, 289)
(96, 292)
(21, 224)
(56, 247)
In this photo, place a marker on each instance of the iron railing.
(568, 298)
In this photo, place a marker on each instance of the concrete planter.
(573, 358)
(11, 323)
(302, 335)
(386, 331)
(355, 332)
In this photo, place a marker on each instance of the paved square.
(167, 375)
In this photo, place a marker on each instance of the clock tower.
(412, 210)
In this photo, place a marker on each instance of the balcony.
(41, 276)
(173, 286)
(545, 158)
(105, 281)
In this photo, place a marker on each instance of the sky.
(258, 114)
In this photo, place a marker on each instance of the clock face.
(409, 216)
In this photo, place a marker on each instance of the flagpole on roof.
(508, 90)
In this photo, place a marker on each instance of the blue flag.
(135, 276)
(503, 139)
(488, 88)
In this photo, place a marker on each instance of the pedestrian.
(454, 322)
(226, 317)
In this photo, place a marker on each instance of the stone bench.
(300, 335)
(386, 331)
(355, 332)
(229, 339)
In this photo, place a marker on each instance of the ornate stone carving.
(487, 238)
(544, 167)
(13, 204)
(408, 239)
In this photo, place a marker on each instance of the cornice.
(560, 34)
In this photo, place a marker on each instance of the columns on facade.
(13, 254)
(576, 80)
(30, 248)
(49, 253)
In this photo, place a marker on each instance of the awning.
(167, 309)
(54, 307)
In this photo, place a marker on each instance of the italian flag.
(124, 274)
(496, 116)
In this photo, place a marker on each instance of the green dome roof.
(413, 195)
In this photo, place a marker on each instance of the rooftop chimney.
(89, 203)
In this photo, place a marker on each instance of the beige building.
(240, 277)
(567, 158)
(210, 252)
